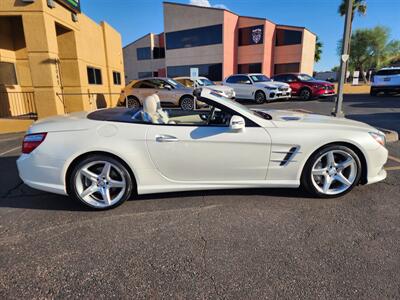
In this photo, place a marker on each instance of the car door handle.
(165, 138)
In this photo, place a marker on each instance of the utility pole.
(337, 112)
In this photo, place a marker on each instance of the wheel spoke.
(319, 172)
(330, 158)
(340, 177)
(105, 193)
(343, 165)
(327, 183)
(106, 170)
(89, 191)
(116, 184)
(89, 175)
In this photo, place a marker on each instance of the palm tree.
(359, 7)
(318, 50)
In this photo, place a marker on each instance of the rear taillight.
(32, 141)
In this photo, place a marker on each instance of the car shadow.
(15, 194)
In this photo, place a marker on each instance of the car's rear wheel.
(133, 102)
(187, 103)
(373, 93)
(100, 182)
(331, 172)
(260, 97)
(305, 94)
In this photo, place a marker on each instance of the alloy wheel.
(305, 94)
(187, 104)
(133, 103)
(334, 172)
(100, 184)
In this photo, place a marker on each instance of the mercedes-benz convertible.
(105, 157)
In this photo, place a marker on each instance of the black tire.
(72, 188)
(373, 93)
(260, 97)
(133, 102)
(306, 177)
(305, 94)
(186, 102)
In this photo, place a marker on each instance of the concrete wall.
(181, 17)
(133, 66)
(56, 54)
(308, 52)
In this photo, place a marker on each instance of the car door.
(242, 86)
(143, 89)
(294, 82)
(165, 91)
(209, 153)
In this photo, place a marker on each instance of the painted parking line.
(11, 150)
(393, 168)
(10, 139)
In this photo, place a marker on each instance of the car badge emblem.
(256, 35)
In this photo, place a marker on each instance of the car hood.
(271, 84)
(67, 122)
(321, 82)
(290, 118)
(221, 88)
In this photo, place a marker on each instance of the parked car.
(257, 87)
(123, 152)
(386, 80)
(204, 81)
(168, 90)
(305, 86)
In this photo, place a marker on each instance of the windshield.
(204, 82)
(259, 78)
(175, 84)
(305, 77)
(257, 113)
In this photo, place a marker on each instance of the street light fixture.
(337, 112)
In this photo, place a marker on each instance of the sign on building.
(74, 5)
(356, 74)
(194, 73)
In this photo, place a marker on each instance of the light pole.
(337, 111)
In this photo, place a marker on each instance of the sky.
(135, 18)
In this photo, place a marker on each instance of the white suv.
(257, 87)
(386, 80)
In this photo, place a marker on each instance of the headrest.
(150, 105)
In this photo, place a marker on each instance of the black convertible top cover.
(117, 114)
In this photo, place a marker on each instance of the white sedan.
(258, 87)
(103, 157)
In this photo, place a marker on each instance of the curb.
(391, 136)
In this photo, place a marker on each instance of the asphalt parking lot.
(249, 244)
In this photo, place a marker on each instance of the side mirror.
(168, 87)
(248, 82)
(237, 123)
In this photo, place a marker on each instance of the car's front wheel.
(100, 182)
(187, 103)
(260, 97)
(331, 172)
(305, 94)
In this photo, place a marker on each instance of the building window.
(286, 68)
(288, 37)
(143, 53)
(211, 71)
(251, 35)
(201, 36)
(250, 68)
(117, 78)
(8, 75)
(158, 52)
(94, 76)
(145, 74)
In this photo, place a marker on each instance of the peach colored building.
(219, 43)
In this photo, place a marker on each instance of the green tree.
(318, 50)
(359, 7)
(335, 69)
(371, 48)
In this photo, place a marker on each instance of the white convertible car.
(103, 157)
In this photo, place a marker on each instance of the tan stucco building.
(219, 43)
(54, 59)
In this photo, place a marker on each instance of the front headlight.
(379, 137)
